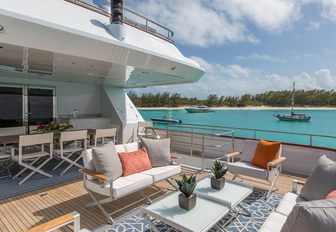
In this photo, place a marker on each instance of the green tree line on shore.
(314, 97)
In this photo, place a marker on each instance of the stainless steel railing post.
(233, 141)
(203, 150)
(191, 142)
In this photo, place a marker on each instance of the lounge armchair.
(310, 210)
(146, 129)
(60, 222)
(245, 167)
(124, 185)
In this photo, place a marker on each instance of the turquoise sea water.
(322, 123)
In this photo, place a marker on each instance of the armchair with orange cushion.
(258, 159)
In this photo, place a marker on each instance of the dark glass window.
(11, 112)
(40, 106)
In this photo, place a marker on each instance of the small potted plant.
(219, 170)
(187, 198)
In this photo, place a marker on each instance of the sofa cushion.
(331, 195)
(265, 153)
(288, 202)
(321, 181)
(312, 216)
(130, 147)
(106, 160)
(87, 160)
(249, 148)
(120, 148)
(273, 223)
(129, 184)
(121, 186)
(134, 162)
(158, 151)
(161, 173)
(248, 169)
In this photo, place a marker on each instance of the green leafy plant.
(219, 169)
(187, 185)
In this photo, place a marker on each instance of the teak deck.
(28, 210)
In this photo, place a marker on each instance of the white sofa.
(123, 186)
(277, 219)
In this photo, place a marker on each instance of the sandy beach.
(240, 108)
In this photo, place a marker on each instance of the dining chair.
(8, 131)
(105, 135)
(5, 163)
(71, 143)
(30, 151)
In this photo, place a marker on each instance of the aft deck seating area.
(25, 211)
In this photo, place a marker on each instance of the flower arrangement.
(53, 126)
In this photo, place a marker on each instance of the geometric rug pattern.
(255, 203)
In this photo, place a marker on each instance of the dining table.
(14, 139)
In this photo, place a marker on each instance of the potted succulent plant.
(219, 170)
(187, 198)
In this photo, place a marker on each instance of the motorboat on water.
(199, 109)
(167, 118)
(293, 117)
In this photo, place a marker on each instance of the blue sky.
(249, 46)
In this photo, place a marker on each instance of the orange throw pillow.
(134, 162)
(331, 195)
(265, 153)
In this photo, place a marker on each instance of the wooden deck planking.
(31, 209)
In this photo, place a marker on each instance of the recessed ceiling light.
(2, 29)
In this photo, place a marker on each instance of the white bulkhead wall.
(116, 104)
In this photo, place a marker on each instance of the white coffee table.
(211, 207)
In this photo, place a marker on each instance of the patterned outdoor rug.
(255, 203)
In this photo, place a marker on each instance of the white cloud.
(236, 80)
(205, 23)
(329, 10)
(313, 26)
(269, 15)
(256, 56)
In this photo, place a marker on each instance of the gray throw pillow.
(106, 160)
(158, 151)
(312, 216)
(321, 181)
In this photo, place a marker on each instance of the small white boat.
(199, 109)
(167, 118)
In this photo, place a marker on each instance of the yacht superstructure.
(78, 54)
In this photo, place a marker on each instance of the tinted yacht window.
(11, 112)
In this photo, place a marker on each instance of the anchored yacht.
(60, 58)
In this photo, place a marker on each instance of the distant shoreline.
(240, 108)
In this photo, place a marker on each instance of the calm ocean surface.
(322, 123)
